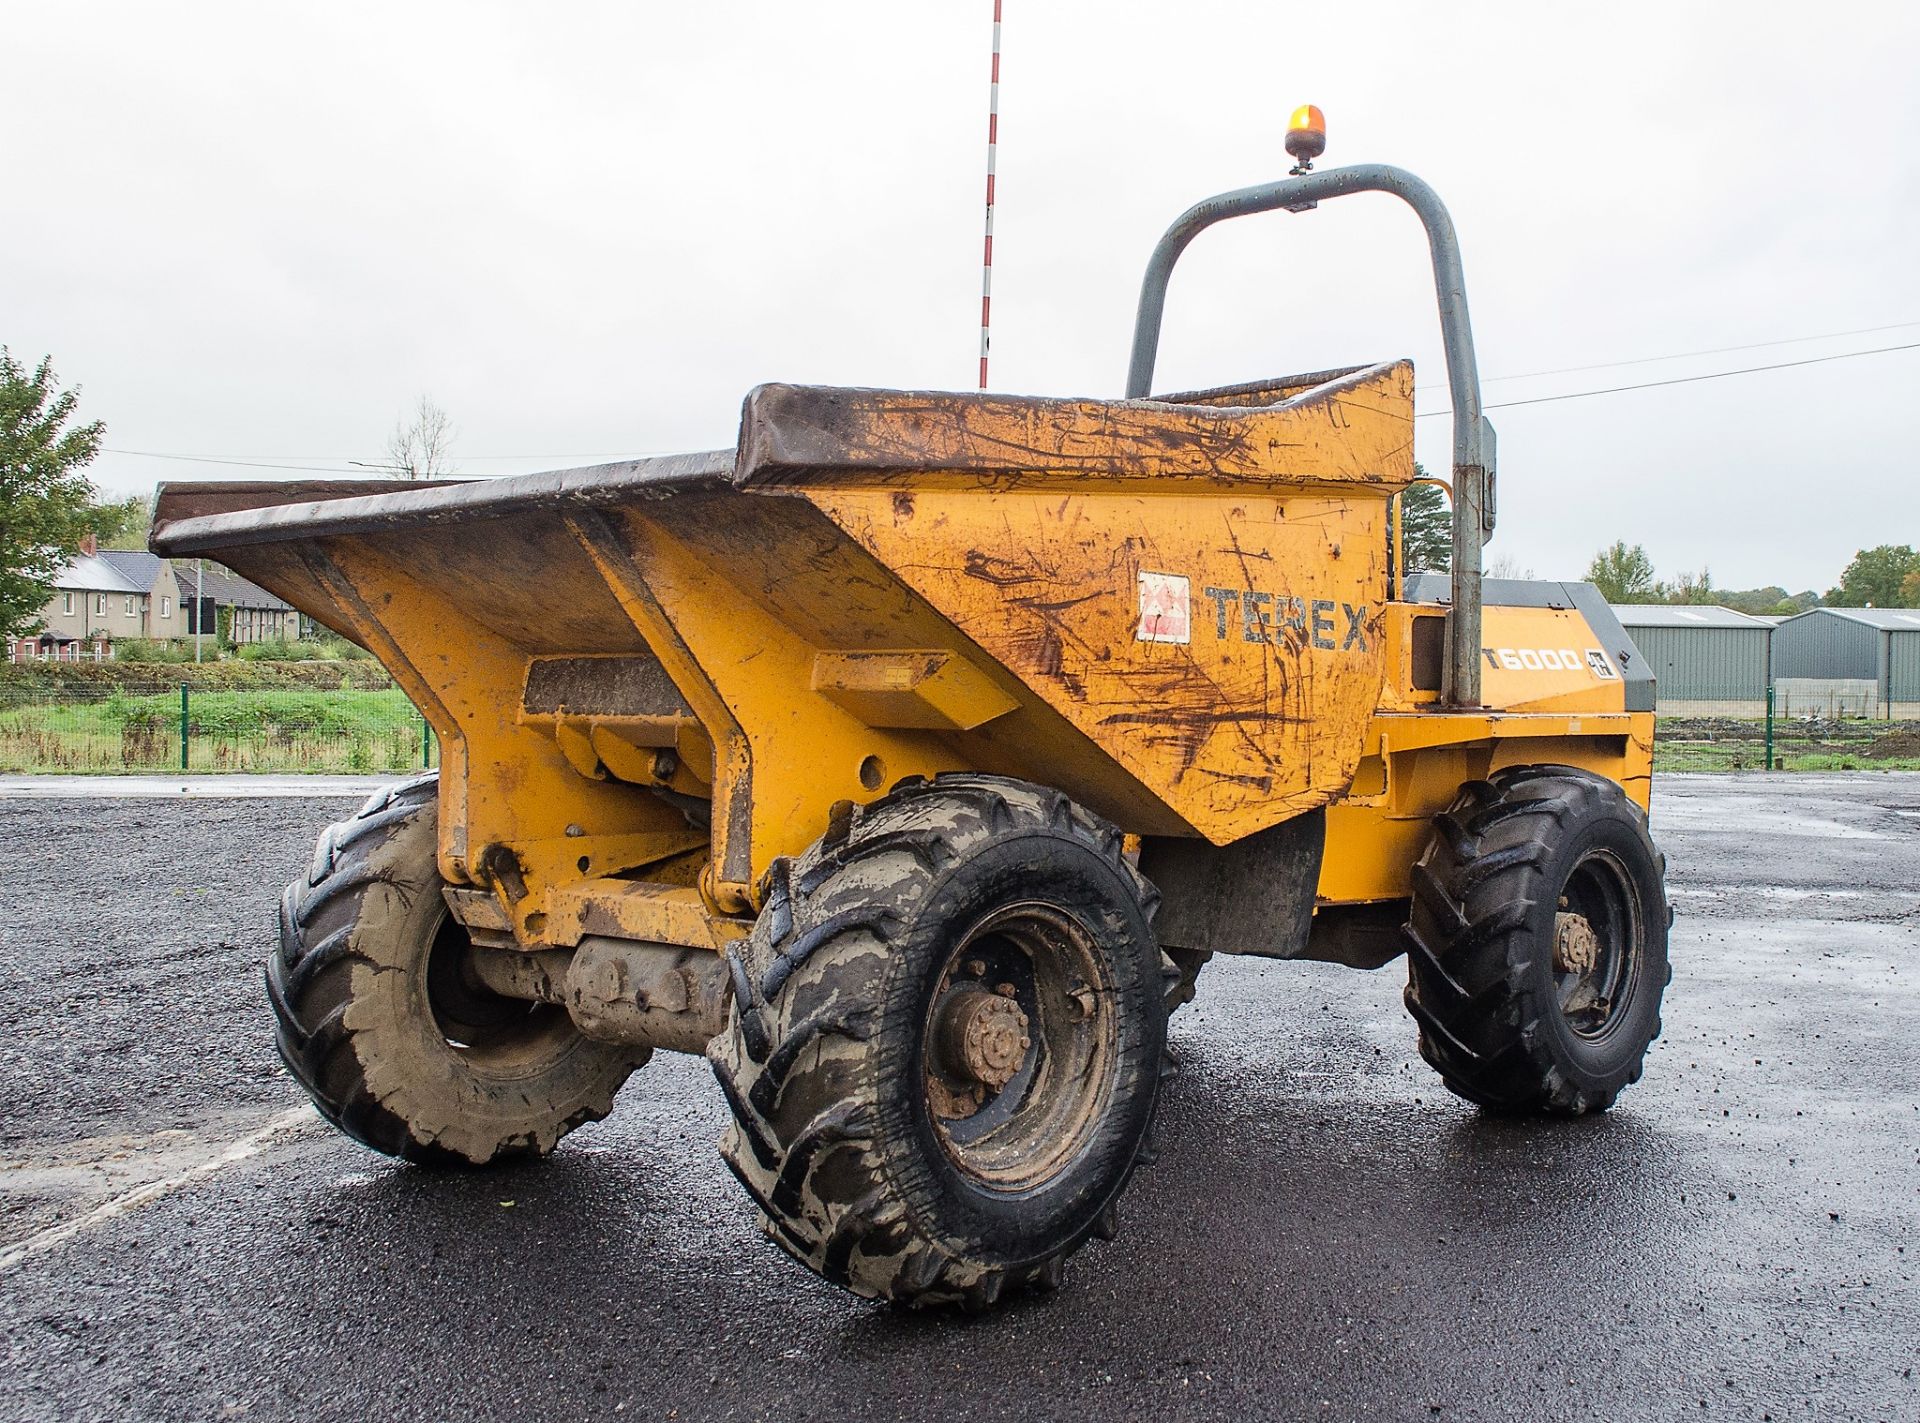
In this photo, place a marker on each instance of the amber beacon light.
(1306, 136)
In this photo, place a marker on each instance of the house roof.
(1683, 615)
(92, 574)
(225, 587)
(136, 565)
(1894, 619)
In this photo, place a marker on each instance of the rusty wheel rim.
(1597, 942)
(1018, 1052)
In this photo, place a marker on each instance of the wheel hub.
(1595, 938)
(985, 1037)
(1576, 948)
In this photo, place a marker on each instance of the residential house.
(103, 596)
(107, 595)
(253, 614)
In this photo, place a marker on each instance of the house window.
(66, 604)
(130, 611)
(100, 604)
(166, 606)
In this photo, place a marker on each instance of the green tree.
(1622, 574)
(1910, 590)
(1751, 600)
(125, 524)
(1426, 528)
(46, 504)
(1876, 578)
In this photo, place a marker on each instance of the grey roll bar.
(1473, 440)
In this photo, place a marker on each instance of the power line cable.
(1680, 380)
(1684, 355)
(243, 464)
(356, 466)
(261, 461)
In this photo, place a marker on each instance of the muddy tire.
(395, 1044)
(1537, 942)
(947, 1040)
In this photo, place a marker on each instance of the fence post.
(1770, 765)
(426, 744)
(184, 733)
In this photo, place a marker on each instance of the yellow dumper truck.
(910, 758)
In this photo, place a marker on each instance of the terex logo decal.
(1270, 617)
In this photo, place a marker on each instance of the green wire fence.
(164, 725)
(167, 726)
(1784, 743)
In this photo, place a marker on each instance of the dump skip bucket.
(1171, 610)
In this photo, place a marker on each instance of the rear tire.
(397, 1046)
(1537, 942)
(948, 1034)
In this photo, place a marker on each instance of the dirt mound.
(1902, 742)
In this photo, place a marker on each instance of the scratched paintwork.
(1354, 428)
(1174, 611)
(1233, 732)
(1256, 716)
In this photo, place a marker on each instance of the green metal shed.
(1706, 661)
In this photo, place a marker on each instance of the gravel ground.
(1327, 1235)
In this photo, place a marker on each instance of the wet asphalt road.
(1327, 1235)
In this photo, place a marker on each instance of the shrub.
(149, 712)
(78, 679)
(145, 650)
(278, 649)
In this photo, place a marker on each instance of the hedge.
(361, 674)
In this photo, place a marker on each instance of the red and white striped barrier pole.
(993, 139)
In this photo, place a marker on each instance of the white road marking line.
(62, 787)
(233, 1153)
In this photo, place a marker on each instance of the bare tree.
(1691, 588)
(421, 448)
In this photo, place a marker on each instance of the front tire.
(397, 1045)
(948, 1034)
(1537, 942)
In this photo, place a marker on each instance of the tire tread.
(802, 1027)
(1474, 893)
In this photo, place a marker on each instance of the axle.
(618, 990)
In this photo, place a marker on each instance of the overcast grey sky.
(260, 231)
